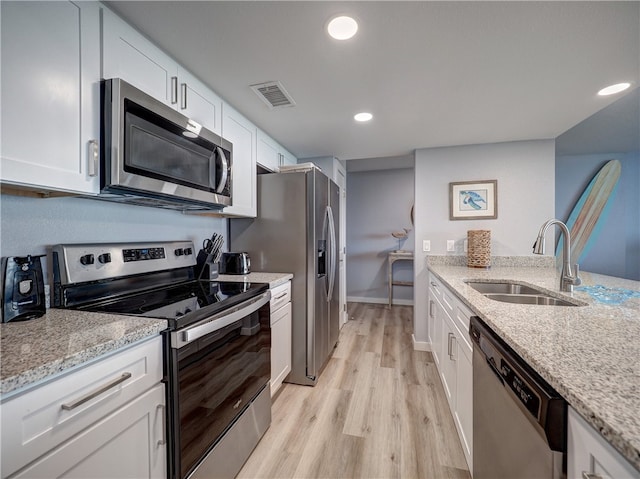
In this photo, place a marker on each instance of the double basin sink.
(517, 294)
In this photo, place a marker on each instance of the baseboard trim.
(420, 345)
(362, 299)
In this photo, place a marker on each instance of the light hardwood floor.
(378, 411)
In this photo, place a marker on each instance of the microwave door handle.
(225, 167)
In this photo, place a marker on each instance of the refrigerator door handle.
(332, 253)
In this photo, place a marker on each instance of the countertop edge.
(273, 279)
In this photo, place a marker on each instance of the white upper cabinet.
(242, 134)
(198, 102)
(50, 89)
(268, 152)
(129, 55)
(287, 158)
(271, 155)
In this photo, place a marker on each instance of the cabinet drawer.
(280, 313)
(280, 295)
(44, 417)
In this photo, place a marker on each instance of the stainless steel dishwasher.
(519, 421)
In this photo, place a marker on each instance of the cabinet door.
(268, 152)
(199, 102)
(128, 55)
(448, 363)
(463, 414)
(242, 134)
(435, 328)
(131, 442)
(287, 158)
(589, 453)
(50, 89)
(280, 346)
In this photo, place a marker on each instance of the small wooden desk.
(392, 258)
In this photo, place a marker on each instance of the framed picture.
(473, 200)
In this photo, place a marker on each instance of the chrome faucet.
(568, 278)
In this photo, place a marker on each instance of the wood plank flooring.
(377, 412)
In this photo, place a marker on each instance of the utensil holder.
(479, 248)
(206, 267)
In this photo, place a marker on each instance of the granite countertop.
(590, 354)
(274, 279)
(34, 350)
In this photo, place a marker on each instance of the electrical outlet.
(465, 245)
(451, 245)
(426, 245)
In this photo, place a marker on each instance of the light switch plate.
(451, 245)
(426, 245)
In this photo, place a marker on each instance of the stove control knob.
(188, 251)
(105, 258)
(87, 259)
(179, 252)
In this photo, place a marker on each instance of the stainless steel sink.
(503, 288)
(517, 294)
(529, 299)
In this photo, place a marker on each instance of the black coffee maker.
(23, 296)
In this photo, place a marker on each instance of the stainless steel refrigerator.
(296, 232)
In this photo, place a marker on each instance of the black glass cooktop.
(181, 304)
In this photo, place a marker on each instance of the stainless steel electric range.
(217, 346)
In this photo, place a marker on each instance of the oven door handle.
(219, 321)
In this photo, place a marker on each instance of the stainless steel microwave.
(154, 156)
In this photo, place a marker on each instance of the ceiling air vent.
(273, 94)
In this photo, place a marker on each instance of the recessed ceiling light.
(613, 89)
(364, 116)
(342, 27)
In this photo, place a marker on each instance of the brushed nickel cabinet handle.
(102, 389)
(94, 158)
(431, 304)
(280, 296)
(174, 90)
(591, 475)
(163, 440)
(183, 94)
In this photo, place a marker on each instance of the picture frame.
(473, 200)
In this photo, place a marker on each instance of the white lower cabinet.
(590, 456)
(128, 443)
(106, 419)
(453, 352)
(280, 335)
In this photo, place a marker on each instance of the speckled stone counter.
(274, 279)
(590, 354)
(34, 350)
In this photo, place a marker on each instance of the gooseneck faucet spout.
(568, 277)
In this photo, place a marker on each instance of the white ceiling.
(432, 73)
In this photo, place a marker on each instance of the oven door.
(216, 368)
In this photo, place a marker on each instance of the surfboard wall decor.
(590, 210)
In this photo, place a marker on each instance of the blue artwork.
(473, 200)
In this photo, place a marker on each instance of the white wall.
(378, 203)
(525, 172)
